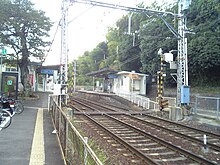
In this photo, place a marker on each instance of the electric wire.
(175, 33)
(52, 41)
(132, 58)
(80, 14)
(58, 28)
(120, 7)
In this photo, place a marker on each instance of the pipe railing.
(74, 146)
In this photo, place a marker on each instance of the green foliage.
(139, 51)
(98, 55)
(128, 51)
(23, 29)
(91, 61)
(204, 47)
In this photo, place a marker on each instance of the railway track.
(145, 146)
(154, 139)
(189, 138)
(83, 105)
(194, 134)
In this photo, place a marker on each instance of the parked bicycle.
(5, 118)
(11, 105)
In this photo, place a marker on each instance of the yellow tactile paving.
(37, 151)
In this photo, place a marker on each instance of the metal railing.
(207, 106)
(141, 101)
(145, 102)
(74, 147)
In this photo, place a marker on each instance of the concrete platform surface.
(29, 139)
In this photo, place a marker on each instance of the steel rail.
(121, 141)
(169, 145)
(172, 122)
(188, 127)
(77, 100)
(213, 146)
(108, 104)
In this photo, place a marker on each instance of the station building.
(130, 83)
(120, 82)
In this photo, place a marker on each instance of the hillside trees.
(124, 46)
(91, 61)
(151, 34)
(84, 66)
(204, 46)
(24, 29)
(99, 55)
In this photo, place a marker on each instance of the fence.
(74, 147)
(207, 106)
(141, 101)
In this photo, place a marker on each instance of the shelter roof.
(129, 73)
(102, 73)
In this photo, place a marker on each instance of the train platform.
(30, 140)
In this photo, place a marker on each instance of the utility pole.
(182, 59)
(64, 46)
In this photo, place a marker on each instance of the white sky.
(85, 32)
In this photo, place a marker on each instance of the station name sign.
(47, 71)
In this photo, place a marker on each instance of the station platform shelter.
(120, 81)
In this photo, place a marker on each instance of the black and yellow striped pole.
(71, 72)
(160, 83)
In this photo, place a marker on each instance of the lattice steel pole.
(182, 71)
(64, 47)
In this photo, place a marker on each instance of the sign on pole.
(4, 51)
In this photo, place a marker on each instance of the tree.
(203, 48)
(85, 65)
(24, 29)
(155, 35)
(128, 44)
(98, 55)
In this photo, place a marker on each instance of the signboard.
(47, 71)
(4, 51)
(112, 76)
(134, 76)
(9, 82)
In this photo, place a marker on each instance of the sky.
(87, 25)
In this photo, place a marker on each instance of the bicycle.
(11, 105)
(19, 106)
(5, 119)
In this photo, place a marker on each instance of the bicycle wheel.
(19, 107)
(6, 119)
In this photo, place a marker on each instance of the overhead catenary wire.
(58, 25)
(121, 7)
(132, 58)
(80, 14)
(52, 41)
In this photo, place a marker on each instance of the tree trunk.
(24, 78)
(24, 64)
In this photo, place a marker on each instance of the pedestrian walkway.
(29, 139)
